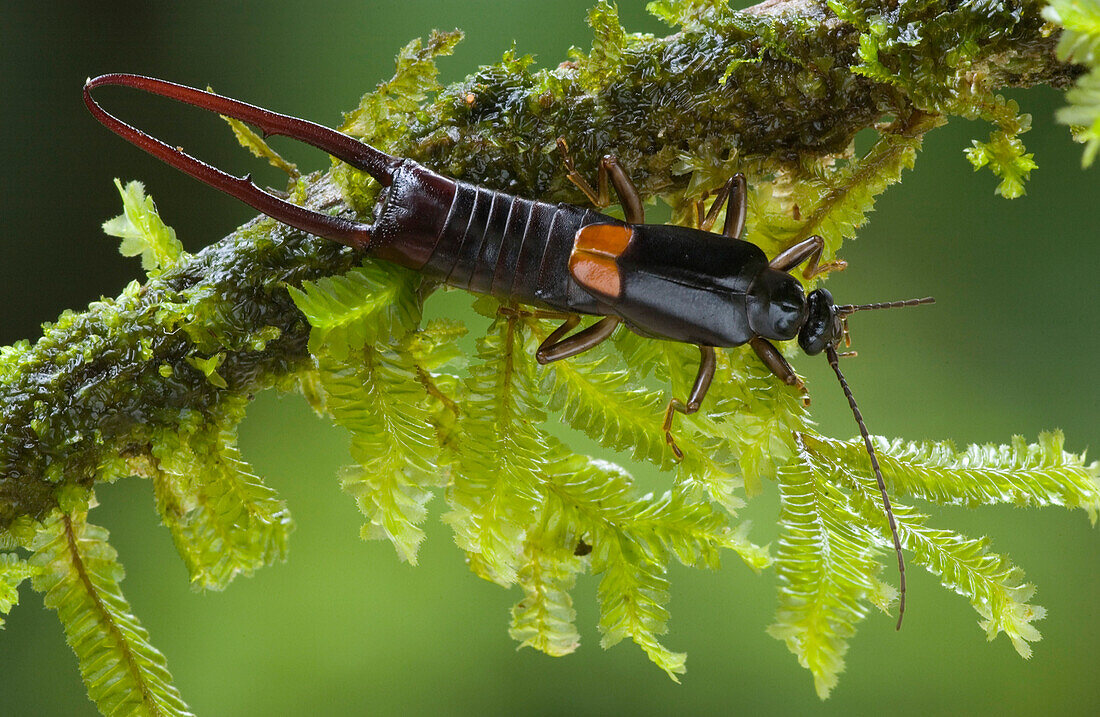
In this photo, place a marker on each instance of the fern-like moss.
(155, 381)
(79, 576)
(1080, 42)
(494, 495)
(224, 520)
(545, 618)
(610, 405)
(13, 571)
(383, 405)
(1021, 474)
(142, 231)
(827, 567)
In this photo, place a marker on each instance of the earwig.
(670, 282)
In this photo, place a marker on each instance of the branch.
(781, 88)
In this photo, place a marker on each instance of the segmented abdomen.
(485, 241)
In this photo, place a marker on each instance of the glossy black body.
(678, 283)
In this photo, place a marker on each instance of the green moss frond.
(255, 144)
(604, 399)
(992, 584)
(1081, 19)
(757, 420)
(223, 519)
(827, 567)
(13, 571)
(382, 115)
(143, 232)
(384, 406)
(545, 618)
(79, 576)
(1005, 156)
(494, 494)
(633, 589)
(154, 382)
(353, 310)
(371, 373)
(1080, 42)
(1020, 473)
(835, 204)
(688, 14)
(1083, 115)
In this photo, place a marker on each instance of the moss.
(761, 84)
(94, 386)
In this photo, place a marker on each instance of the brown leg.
(555, 348)
(698, 393)
(778, 365)
(807, 249)
(600, 198)
(734, 191)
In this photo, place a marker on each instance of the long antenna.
(852, 308)
(834, 361)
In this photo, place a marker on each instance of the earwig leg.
(600, 197)
(736, 208)
(778, 365)
(698, 393)
(733, 193)
(706, 221)
(555, 348)
(556, 335)
(628, 193)
(793, 256)
(807, 249)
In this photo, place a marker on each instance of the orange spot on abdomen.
(592, 261)
(608, 240)
(596, 273)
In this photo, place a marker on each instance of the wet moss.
(778, 87)
(93, 387)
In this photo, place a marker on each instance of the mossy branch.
(774, 83)
(155, 381)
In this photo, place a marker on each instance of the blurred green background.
(343, 627)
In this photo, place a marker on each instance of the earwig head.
(776, 305)
(823, 326)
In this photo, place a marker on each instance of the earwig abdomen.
(484, 241)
